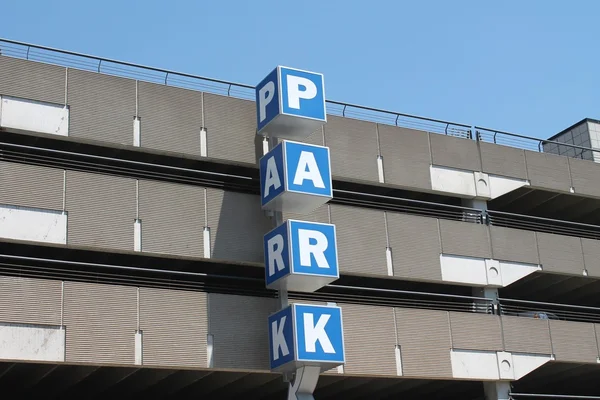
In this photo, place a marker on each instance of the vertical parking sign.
(299, 256)
(290, 103)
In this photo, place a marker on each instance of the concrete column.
(496, 390)
(485, 292)
(475, 203)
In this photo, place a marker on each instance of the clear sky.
(525, 66)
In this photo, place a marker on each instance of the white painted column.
(496, 390)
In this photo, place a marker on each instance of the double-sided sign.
(299, 256)
(295, 177)
(290, 103)
(301, 335)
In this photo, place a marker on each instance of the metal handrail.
(542, 303)
(129, 274)
(541, 224)
(466, 133)
(128, 64)
(540, 142)
(101, 61)
(553, 396)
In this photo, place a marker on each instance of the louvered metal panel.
(514, 245)
(102, 107)
(30, 301)
(361, 240)
(573, 341)
(586, 177)
(560, 253)
(465, 239)
(597, 330)
(101, 210)
(171, 118)
(321, 214)
(548, 171)
(449, 151)
(174, 326)
(316, 138)
(475, 331)
(100, 322)
(503, 160)
(415, 246)
(31, 186)
(172, 218)
(240, 330)
(370, 340)
(231, 129)
(424, 339)
(526, 335)
(237, 226)
(353, 146)
(32, 80)
(406, 157)
(591, 255)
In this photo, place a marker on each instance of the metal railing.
(80, 271)
(82, 161)
(533, 144)
(517, 396)
(49, 268)
(163, 76)
(549, 311)
(539, 224)
(108, 66)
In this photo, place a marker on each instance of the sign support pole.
(277, 219)
(291, 103)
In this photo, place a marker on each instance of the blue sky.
(528, 67)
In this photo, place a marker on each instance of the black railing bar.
(162, 70)
(492, 212)
(553, 396)
(571, 314)
(134, 281)
(532, 224)
(581, 314)
(500, 299)
(427, 211)
(198, 274)
(535, 139)
(381, 196)
(123, 267)
(129, 64)
(121, 160)
(68, 274)
(109, 170)
(549, 230)
(397, 291)
(41, 160)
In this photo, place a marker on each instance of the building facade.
(132, 244)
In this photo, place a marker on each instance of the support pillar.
(304, 384)
(496, 390)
